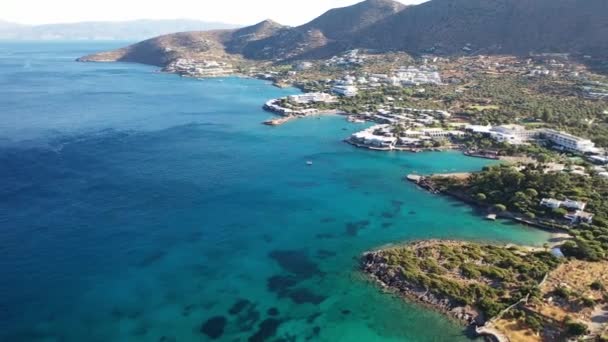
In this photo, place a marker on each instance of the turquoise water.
(137, 206)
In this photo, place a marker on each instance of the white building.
(576, 205)
(551, 203)
(570, 204)
(416, 76)
(368, 138)
(579, 216)
(513, 134)
(568, 141)
(348, 91)
(311, 97)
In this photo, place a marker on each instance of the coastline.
(420, 272)
(407, 290)
(426, 183)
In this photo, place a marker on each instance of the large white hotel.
(516, 134)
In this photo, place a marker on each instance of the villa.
(579, 216)
(570, 204)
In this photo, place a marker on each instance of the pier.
(278, 121)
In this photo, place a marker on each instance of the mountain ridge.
(446, 27)
(105, 30)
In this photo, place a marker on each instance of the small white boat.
(309, 163)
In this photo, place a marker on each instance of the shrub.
(562, 292)
(588, 302)
(575, 328)
(470, 271)
(597, 286)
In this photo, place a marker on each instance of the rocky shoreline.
(374, 264)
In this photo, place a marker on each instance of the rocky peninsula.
(507, 293)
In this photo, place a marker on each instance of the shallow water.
(137, 206)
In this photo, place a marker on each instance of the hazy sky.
(289, 12)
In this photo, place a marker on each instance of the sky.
(242, 12)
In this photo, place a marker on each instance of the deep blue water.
(137, 206)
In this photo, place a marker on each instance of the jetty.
(278, 121)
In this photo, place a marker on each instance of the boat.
(309, 163)
(491, 217)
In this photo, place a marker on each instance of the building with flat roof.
(345, 90)
(513, 134)
(311, 98)
(569, 141)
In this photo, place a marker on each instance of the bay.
(138, 206)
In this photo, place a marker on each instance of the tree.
(500, 208)
(481, 197)
(560, 212)
(531, 193)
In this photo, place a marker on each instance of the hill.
(125, 30)
(267, 40)
(448, 27)
(324, 35)
(494, 26)
(225, 45)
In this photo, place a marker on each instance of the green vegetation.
(532, 100)
(574, 328)
(520, 190)
(535, 151)
(488, 277)
(597, 286)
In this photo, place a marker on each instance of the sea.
(141, 206)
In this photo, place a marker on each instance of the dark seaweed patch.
(353, 228)
(248, 319)
(167, 339)
(214, 327)
(316, 330)
(324, 254)
(345, 312)
(296, 262)
(268, 328)
(273, 312)
(312, 318)
(239, 306)
(387, 214)
(387, 225)
(281, 284)
(412, 212)
(302, 296)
